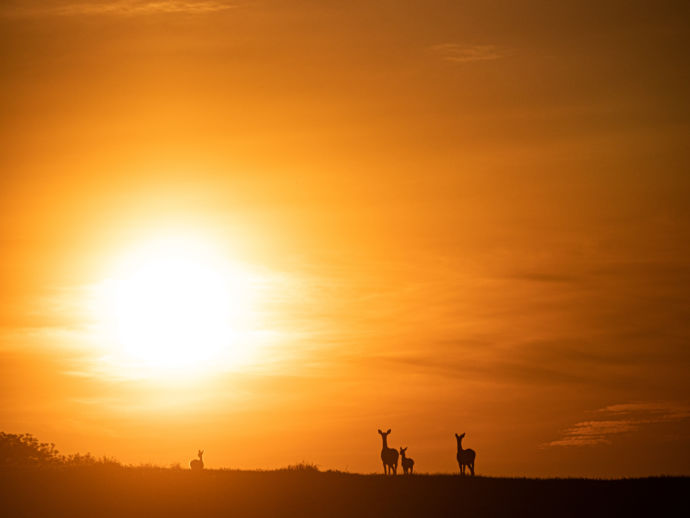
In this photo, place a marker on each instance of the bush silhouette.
(302, 466)
(26, 450)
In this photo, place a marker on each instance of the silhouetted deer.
(197, 464)
(465, 457)
(389, 456)
(407, 462)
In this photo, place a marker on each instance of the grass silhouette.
(106, 489)
(109, 490)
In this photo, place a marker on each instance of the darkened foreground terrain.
(107, 491)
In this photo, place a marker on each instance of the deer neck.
(385, 442)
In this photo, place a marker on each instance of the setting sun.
(176, 304)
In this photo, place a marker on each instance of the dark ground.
(115, 491)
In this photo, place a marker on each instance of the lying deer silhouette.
(197, 464)
(389, 456)
(407, 462)
(465, 457)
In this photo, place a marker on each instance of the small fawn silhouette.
(197, 464)
(407, 462)
(465, 457)
(389, 456)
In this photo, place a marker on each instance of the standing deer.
(389, 456)
(465, 457)
(197, 464)
(407, 462)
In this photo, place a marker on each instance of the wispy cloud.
(619, 419)
(545, 277)
(462, 53)
(117, 7)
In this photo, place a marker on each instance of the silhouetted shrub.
(302, 466)
(26, 450)
(79, 459)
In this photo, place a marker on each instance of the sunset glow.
(268, 229)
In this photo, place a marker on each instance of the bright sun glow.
(176, 304)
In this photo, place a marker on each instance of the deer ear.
(389, 431)
(456, 435)
(380, 430)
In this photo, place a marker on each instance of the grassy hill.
(108, 491)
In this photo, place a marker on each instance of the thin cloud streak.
(118, 8)
(458, 53)
(619, 419)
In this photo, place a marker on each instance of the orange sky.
(459, 216)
